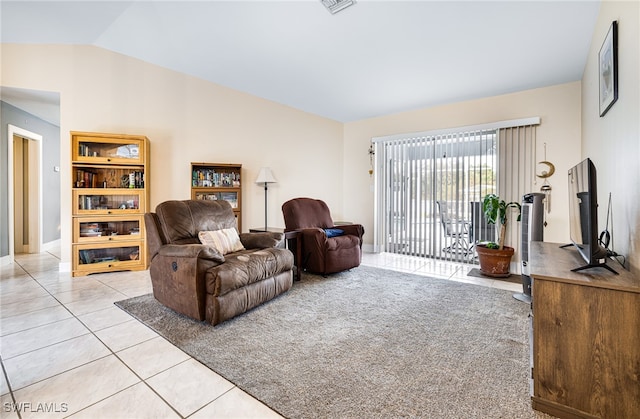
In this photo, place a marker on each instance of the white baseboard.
(368, 248)
(50, 245)
(5, 260)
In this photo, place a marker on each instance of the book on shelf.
(85, 256)
(133, 180)
(83, 150)
(207, 178)
(86, 179)
(231, 198)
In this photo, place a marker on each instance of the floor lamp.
(265, 176)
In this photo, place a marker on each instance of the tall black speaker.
(532, 223)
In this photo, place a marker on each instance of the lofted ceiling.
(374, 58)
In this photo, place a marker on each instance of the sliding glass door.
(429, 189)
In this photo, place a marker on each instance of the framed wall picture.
(608, 69)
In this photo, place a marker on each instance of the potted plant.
(495, 258)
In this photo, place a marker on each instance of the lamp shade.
(265, 176)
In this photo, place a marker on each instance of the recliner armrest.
(155, 238)
(191, 250)
(314, 235)
(260, 240)
(352, 229)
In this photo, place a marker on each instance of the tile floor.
(68, 351)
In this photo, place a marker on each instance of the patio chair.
(455, 229)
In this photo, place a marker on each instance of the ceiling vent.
(334, 6)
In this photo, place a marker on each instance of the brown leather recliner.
(322, 253)
(196, 279)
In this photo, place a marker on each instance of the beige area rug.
(368, 343)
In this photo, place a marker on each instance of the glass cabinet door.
(232, 197)
(99, 257)
(94, 201)
(108, 150)
(115, 228)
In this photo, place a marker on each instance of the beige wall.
(186, 119)
(557, 106)
(613, 141)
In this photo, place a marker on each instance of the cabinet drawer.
(104, 257)
(108, 229)
(103, 201)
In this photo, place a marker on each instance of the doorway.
(25, 191)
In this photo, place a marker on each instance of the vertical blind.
(419, 175)
(516, 176)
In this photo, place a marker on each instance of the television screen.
(583, 215)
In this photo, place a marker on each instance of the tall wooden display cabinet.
(110, 195)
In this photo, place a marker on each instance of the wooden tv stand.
(586, 337)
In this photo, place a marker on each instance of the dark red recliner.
(322, 252)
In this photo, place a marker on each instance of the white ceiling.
(374, 58)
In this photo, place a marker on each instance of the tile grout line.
(6, 378)
(103, 343)
(114, 354)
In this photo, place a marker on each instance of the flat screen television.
(583, 216)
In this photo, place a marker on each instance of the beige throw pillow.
(224, 241)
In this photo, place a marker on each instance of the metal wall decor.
(372, 154)
(546, 187)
